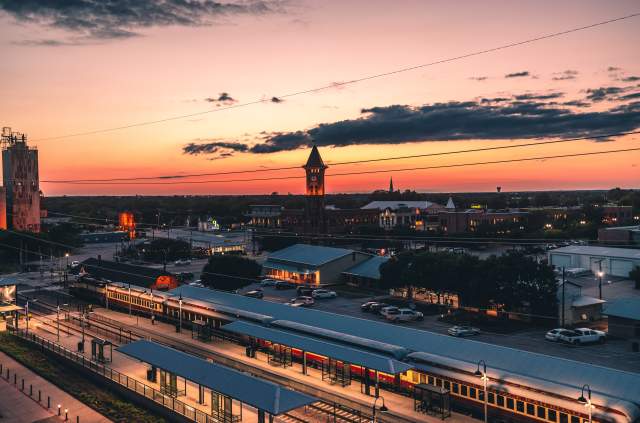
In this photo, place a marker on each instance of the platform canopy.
(258, 393)
(333, 350)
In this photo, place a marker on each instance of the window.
(531, 409)
(463, 390)
(455, 388)
(552, 415)
(520, 406)
(447, 384)
(472, 393)
(575, 419)
(415, 377)
(500, 401)
(492, 398)
(510, 403)
(564, 418)
(430, 380)
(481, 395)
(542, 412)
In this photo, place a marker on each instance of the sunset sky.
(85, 67)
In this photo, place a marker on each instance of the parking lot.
(614, 353)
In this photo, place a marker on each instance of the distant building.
(366, 273)
(470, 220)
(575, 308)
(620, 235)
(312, 264)
(265, 216)
(624, 318)
(208, 224)
(103, 237)
(3, 208)
(412, 214)
(613, 214)
(611, 261)
(315, 220)
(127, 223)
(20, 175)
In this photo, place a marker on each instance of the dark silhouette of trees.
(230, 272)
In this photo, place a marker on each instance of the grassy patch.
(75, 383)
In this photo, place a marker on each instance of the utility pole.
(600, 279)
(563, 294)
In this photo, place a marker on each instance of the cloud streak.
(449, 121)
(522, 74)
(94, 20)
(223, 99)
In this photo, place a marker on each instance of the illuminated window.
(447, 385)
(575, 419)
(455, 388)
(564, 418)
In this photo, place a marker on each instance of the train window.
(415, 377)
(481, 395)
(564, 418)
(575, 419)
(463, 390)
(552, 415)
(472, 393)
(447, 385)
(439, 382)
(492, 398)
(430, 380)
(455, 388)
(542, 412)
(520, 406)
(500, 401)
(423, 378)
(531, 409)
(510, 403)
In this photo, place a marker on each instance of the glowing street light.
(586, 401)
(483, 375)
(383, 408)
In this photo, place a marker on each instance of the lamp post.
(129, 300)
(180, 306)
(26, 309)
(106, 295)
(600, 275)
(483, 375)
(383, 408)
(58, 321)
(586, 401)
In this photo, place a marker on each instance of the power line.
(352, 81)
(413, 156)
(369, 172)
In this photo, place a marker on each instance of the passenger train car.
(517, 390)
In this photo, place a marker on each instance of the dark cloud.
(576, 103)
(517, 74)
(220, 148)
(276, 100)
(630, 79)
(539, 96)
(479, 78)
(118, 19)
(566, 75)
(495, 100)
(631, 96)
(613, 69)
(222, 99)
(611, 93)
(454, 120)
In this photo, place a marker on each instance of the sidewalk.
(17, 407)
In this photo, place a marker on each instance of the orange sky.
(51, 91)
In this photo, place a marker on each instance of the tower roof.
(314, 159)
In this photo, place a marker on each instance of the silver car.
(460, 331)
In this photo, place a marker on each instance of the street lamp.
(483, 375)
(180, 305)
(586, 401)
(600, 275)
(383, 408)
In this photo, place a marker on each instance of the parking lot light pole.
(600, 275)
(483, 375)
(586, 401)
(180, 306)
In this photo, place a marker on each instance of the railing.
(130, 383)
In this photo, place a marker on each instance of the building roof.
(311, 255)
(395, 205)
(369, 268)
(314, 159)
(627, 253)
(512, 364)
(450, 204)
(328, 349)
(8, 281)
(121, 272)
(584, 301)
(251, 390)
(627, 308)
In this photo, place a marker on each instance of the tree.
(634, 275)
(230, 272)
(162, 249)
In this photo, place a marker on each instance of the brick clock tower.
(315, 217)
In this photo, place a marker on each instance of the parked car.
(74, 264)
(323, 293)
(367, 306)
(302, 301)
(585, 336)
(284, 285)
(182, 262)
(304, 291)
(256, 293)
(405, 315)
(268, 282)
(463, 331)
(389, 310)
(197, 283)
(377, 307)
(555, 335)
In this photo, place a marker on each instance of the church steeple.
(315, 221)
(391, 185)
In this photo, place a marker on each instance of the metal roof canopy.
(328, 349)
(310, 255)
(8, 281)
(627, 308)
(258, 393)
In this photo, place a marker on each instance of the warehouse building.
(311, 264)
(624, 318)
(611, 261)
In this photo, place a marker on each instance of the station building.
(611, 261)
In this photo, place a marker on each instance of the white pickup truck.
(584, 336)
